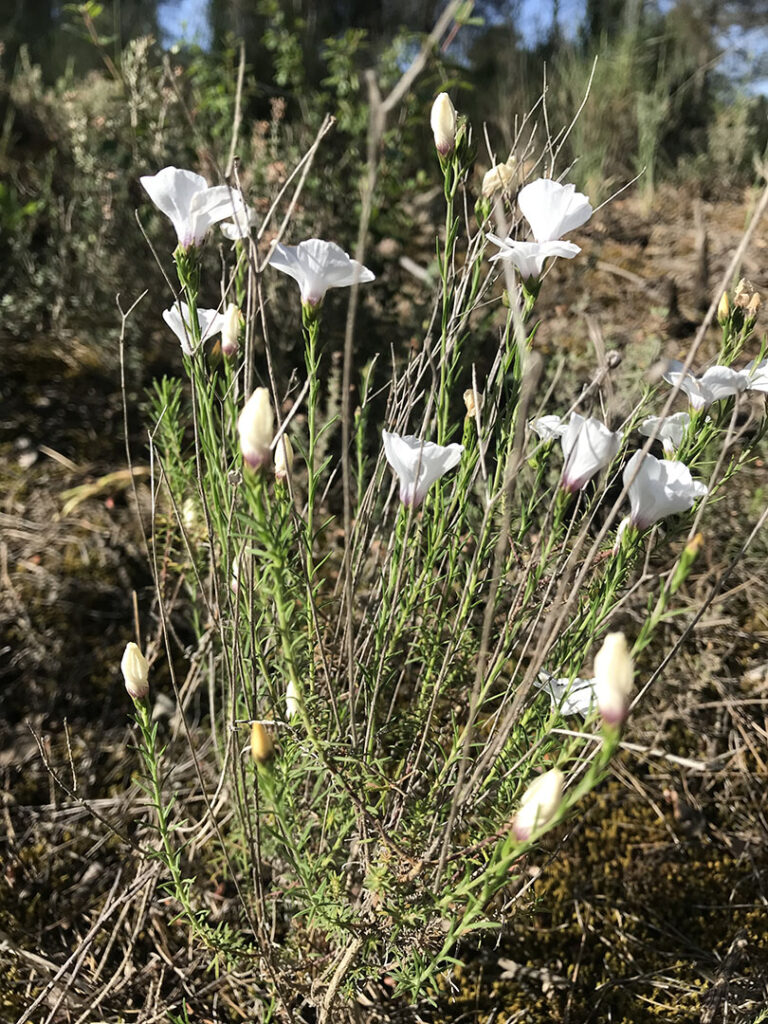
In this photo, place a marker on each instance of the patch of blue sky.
(184, 21)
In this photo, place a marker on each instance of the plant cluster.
(398, 702)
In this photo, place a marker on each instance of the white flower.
(661, 487)
(135, 671)
(553, 209)
(230, 329)
(256, 426)
(318, 266)
(292, 700)
(758, 375)
(418, 463)
(614, 678)
(539, 805)
(192, 206)
(715, 383)
(548, 427)
(669, 429)
(241, 226)
(529, 257)
(179, 320)
(571, 696)
(588, 446)
(442, 121)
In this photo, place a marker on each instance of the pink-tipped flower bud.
(230, 331)
(540, 803)
(442, 120)
(135, 671)
(283, 458)
(256, 426)
(614, 675)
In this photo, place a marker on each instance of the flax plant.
(369, 808)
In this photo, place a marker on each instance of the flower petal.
(172, 191)
(553, 209)
(529, 257)
(548, 427)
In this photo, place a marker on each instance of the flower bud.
(469, 402)
(292, 698)
(262, 747)
(747, 297)
(499, 178)
(443, 123)
(135, 672)
(230, 330)
(283, 458)
(539, 805)
(614, 675)
(685, 564)
(723, 309)
(256, 428)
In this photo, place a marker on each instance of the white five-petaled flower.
(548, 427)
(715, 383)
(588, 446)
(553, 209)
(318, 266)
(658, 488)
(418, 463)
(528, 257)
(571, 696)
(442, 121)
(539, 805)
(670, 430)
(256, 427)
(190, 203)
(614, 678)
(179, 320)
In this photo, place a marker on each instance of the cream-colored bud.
(230, 331)
(292, 699)
(723, 309)
(262, 747)
(283, 458)
(540, 803)
(443, 123)
(614, 678)
(135, 672)
(499, 178)
(469, 402)
(189, 516)
(256, 426)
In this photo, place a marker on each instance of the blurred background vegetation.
(94, 95)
